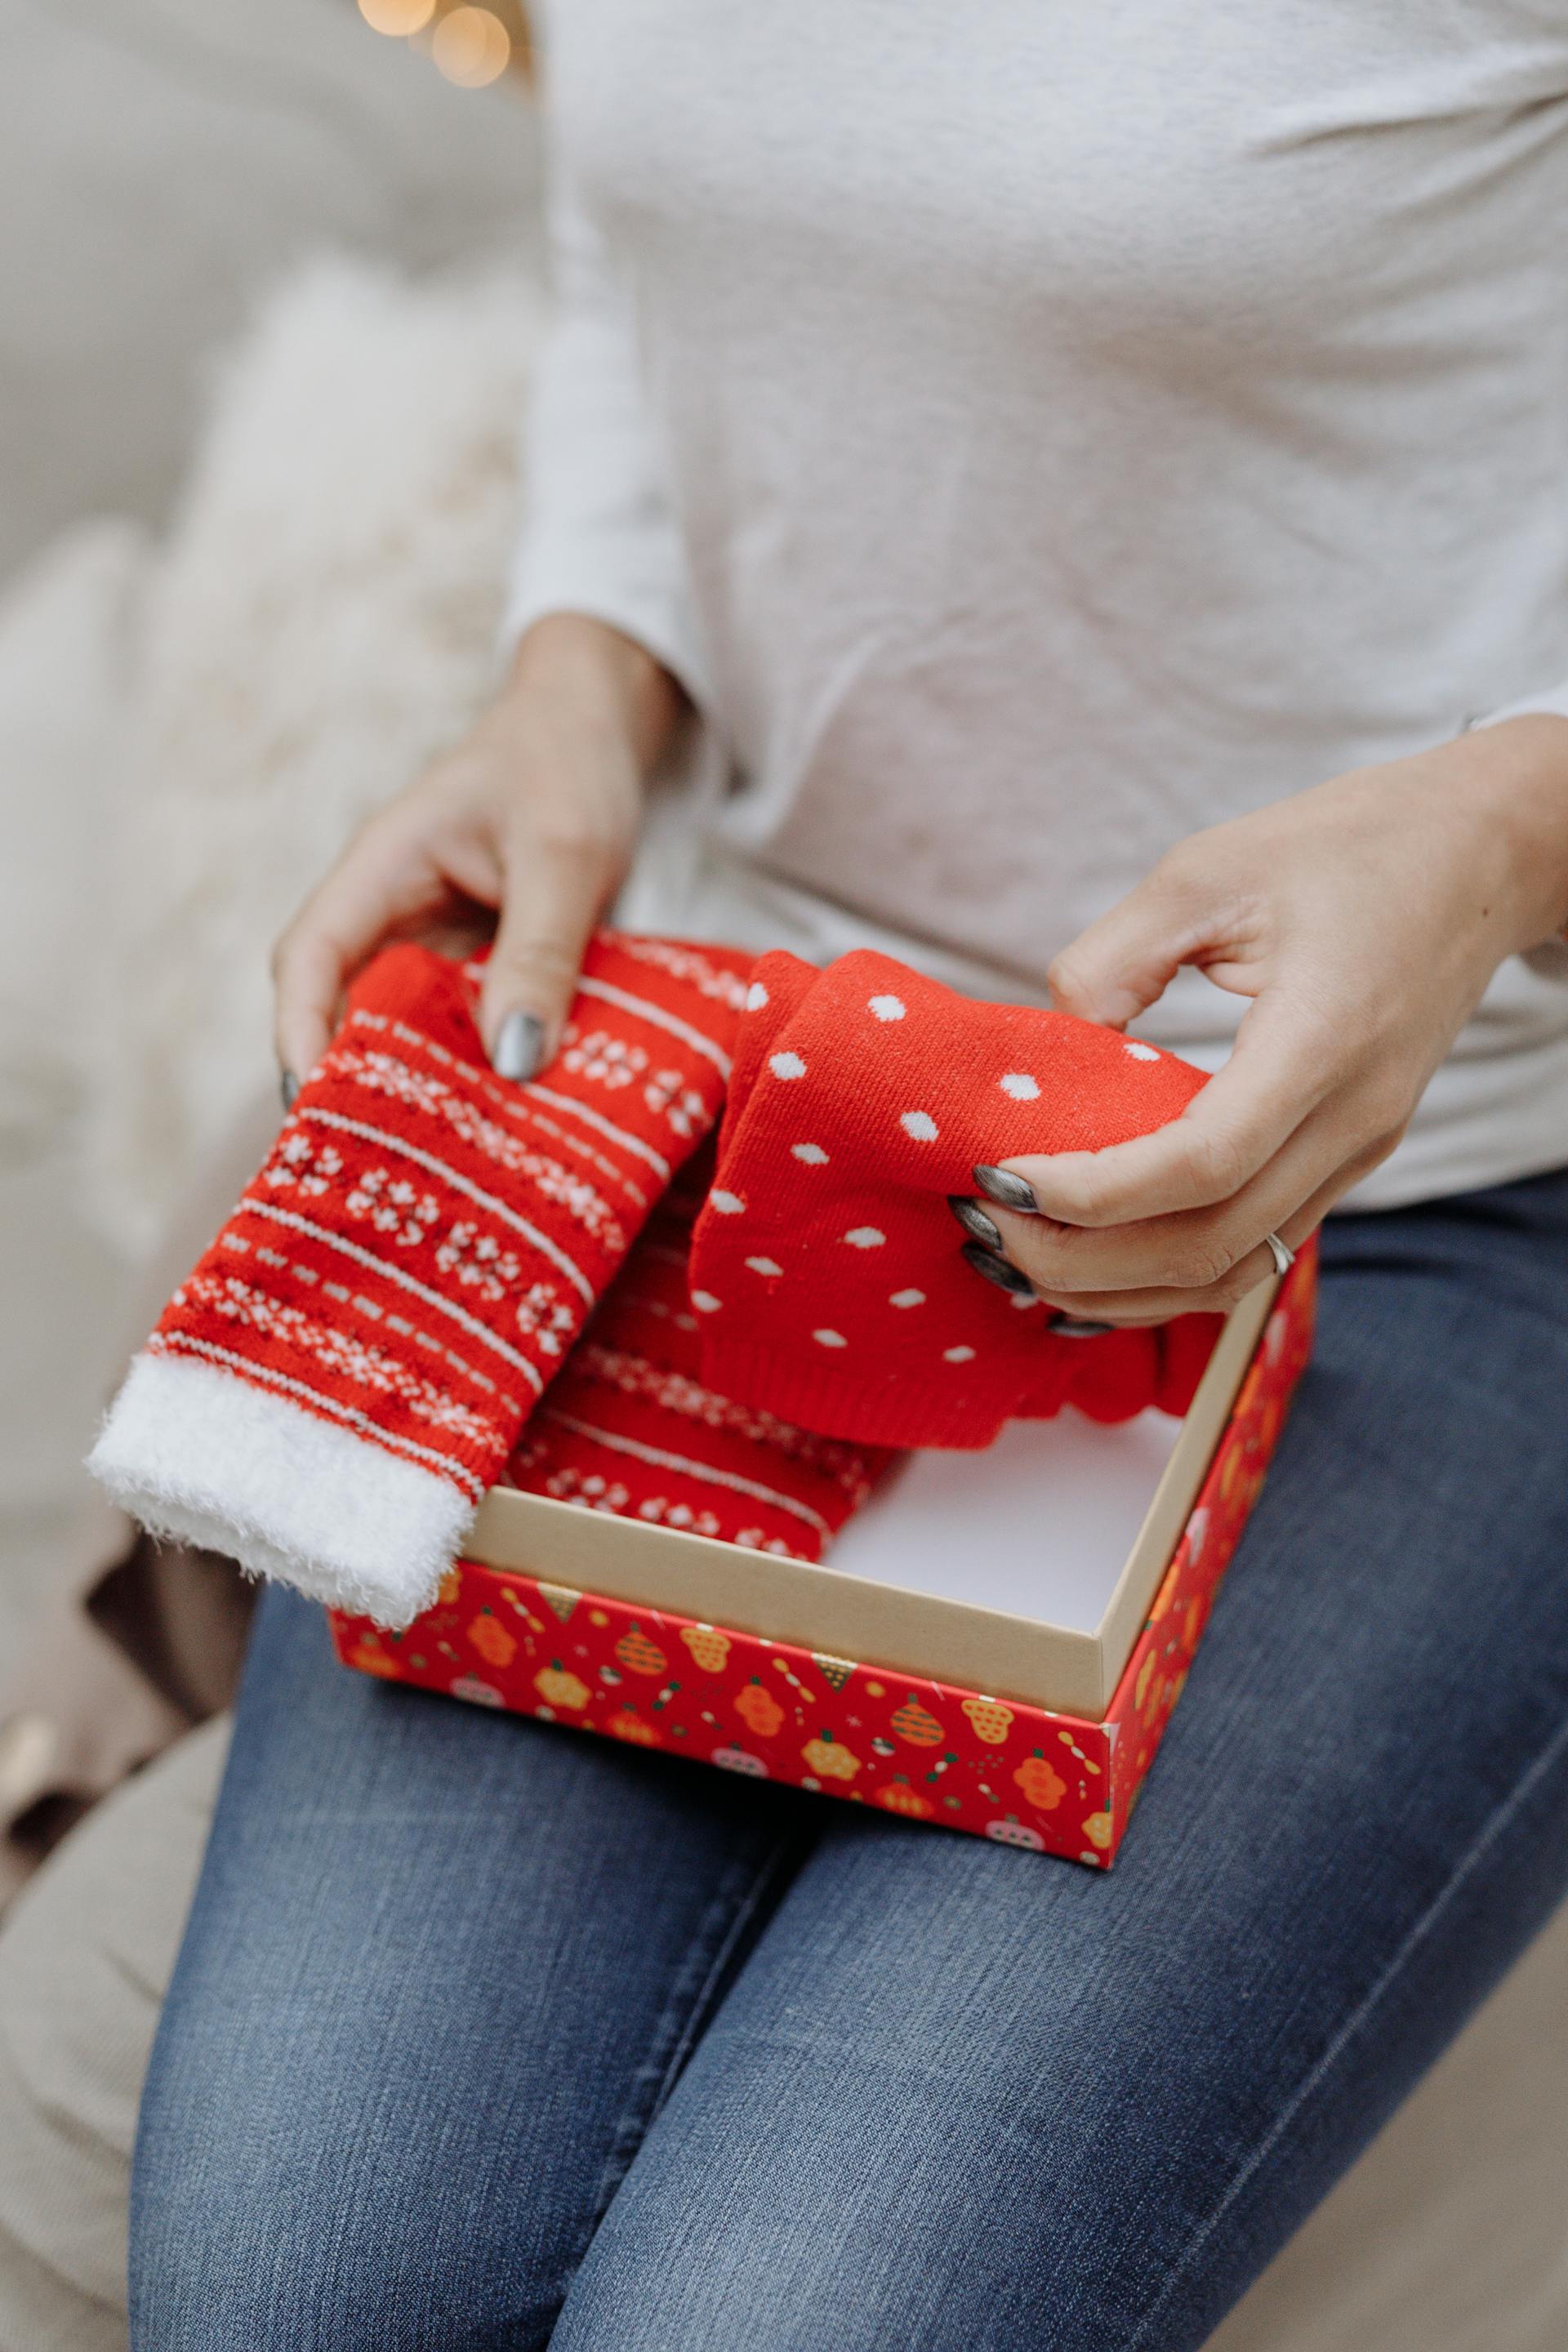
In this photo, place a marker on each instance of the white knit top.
(1033, 431)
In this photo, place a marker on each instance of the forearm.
(600, 682)
(1517, 773)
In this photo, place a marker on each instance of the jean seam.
(1415, 1937)
(684, 2017)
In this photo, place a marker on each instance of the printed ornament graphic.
(830, 1760)
(477, 1692)
(1011, 1831)
(558, 1688)
(638, 1654)
(914, 1750)
(758, 1710)
(633, 1729)
(990, 1719)
(708, 1648)
(1042, 1784)
(492, 1640)
(371, 1658)
(917, 1723)
(898, 1797)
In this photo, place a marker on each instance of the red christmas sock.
(631, 1428)
(350, 1363)
(826, 1263)
(346, 1371)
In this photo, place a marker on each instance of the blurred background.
(268, 291)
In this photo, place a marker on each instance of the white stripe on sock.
(660, 1460)
(395, 1274)
(391, 1140)
(604, 1126)
(659, 1018)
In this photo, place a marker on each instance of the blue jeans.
(485, 2033)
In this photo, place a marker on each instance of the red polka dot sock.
(346, 1370)
(631, 1428)
(826, 1265)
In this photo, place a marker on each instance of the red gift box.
(1035, 1734)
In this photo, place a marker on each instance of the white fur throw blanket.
(321, 619)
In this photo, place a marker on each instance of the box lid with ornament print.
(922, 1703)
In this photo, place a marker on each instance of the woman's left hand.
(1363, 917)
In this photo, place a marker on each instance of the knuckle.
(570, 837)
(1387, 1112)
(1216, 1165)
(1185, 872)
(548, 963)
(1035, 1254)
(1203, 1265)
(1375, 1151)
(1086, 1197)
(1065, 976)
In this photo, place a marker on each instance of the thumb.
(1129, 956)
(553, 895)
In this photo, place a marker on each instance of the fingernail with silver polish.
(1008, 1191)
(1069, 1327)
(974, 1221)
(289, 1087)
(519, 1046)
(997, 1270)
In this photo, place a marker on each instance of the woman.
(1089, 471)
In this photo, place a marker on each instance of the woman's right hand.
(534, 814)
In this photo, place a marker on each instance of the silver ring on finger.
(1284, 1255)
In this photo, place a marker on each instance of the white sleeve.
(1552, 703)
(599, 533)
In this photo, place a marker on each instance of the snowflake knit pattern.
(397, 1313)
(631, 1428)
(347, 1369)
(825, 1264)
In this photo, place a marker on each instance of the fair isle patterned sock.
(347, 1369)
(631, 1428)
(826, 1265)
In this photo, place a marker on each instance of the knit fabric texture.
(826, 1265)
(631, 1428)
(347, 1369)
(397, 1314)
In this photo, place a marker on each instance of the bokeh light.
(397, 17)
(470, 47)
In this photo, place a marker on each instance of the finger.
(1190, 1249)
(332, 933)
(1284, 1065)
(1128, 956)
(1137, 1309)
(556, 891)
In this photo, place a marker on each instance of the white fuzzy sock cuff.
(198, 1454)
